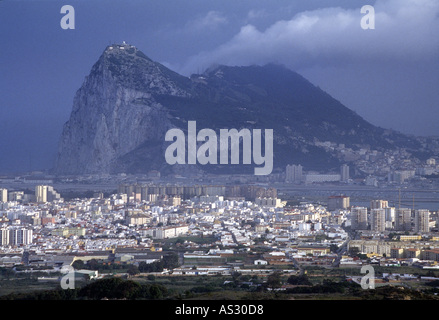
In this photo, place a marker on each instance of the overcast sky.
(389, 75)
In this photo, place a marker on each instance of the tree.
(150, 277)
(236, 275)
(143, 266)
(157, 291)
(103, 288)
(246, 277)
(78, 264)
(274, 280)
(299, 280)
(156, 266)
(362, 256)
(7, 272)
(133, 270)
(127, 290)
(321, 237)
(93, 264)
(170, 260)
(333, 247)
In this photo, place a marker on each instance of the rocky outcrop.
(128, 102)
(114, 112)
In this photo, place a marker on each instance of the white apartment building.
(4, 237)
(16, 236)
(21, 236)
(46, 194)
(378, 219)
(403, 219)
(359, 218)
(422, 217)
(165, 232)
(3, 195)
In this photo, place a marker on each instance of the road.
(343, 249)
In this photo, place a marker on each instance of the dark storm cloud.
(406, 31)
(388, 75)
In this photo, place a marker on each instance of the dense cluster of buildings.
(380, 217)
(234, 218)
(388, 167)
(142, 216)
(152, 192)
(15, 236)
(43, 193)
(412, 247)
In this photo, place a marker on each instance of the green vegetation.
(327, 286)
(129, 281)
(299, 280)
(379, 270)
(101, 267)
(169, 261)
(274, 280)
(180, 240)
(24, 286)
(275, 285)
(110, 288)
(7, 273)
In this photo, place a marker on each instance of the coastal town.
(213, 229)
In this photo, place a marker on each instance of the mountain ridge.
(127, 103)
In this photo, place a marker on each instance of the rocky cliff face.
(128, 102)
(114, 112)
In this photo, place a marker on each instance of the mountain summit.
(128, 102)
